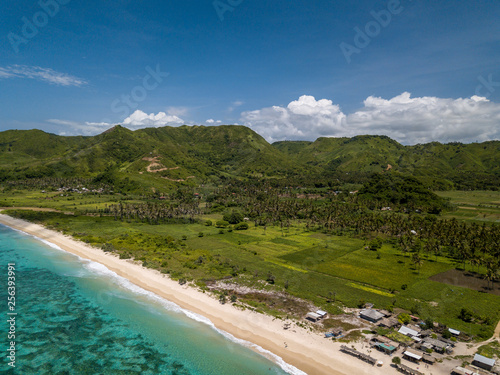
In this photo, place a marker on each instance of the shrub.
(233, 217)
(208, 223)
(465, 315)
(221, 223)
(241, 226)
(200, 234)
(404, 318)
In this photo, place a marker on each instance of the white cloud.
(40, 74)
(425, 119)
(140, 119)
(234, 105)
(305, 118)
(211, 121)
(405, 119)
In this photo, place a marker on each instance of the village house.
(371, 315)
(483, 362)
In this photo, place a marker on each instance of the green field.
(313, 265)
(474, 205)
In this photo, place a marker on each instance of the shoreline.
(307, 351)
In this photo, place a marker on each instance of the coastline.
(307, 351)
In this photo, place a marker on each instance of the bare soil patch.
(467, 279)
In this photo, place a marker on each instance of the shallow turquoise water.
(76, 317)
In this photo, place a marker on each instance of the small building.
(408, 331)
(387, 349)
(408, 370)
(483, 362)
(454, 332)
(425, 333)
(313, 317)
(321, 313)
(413, 356)
(427, 358)
(388, 322)
(437, 345)
(385, 313)
(463, 371)
(371, 315)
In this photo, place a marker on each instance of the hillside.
(163, 158)
(155, 157)
(475, 165)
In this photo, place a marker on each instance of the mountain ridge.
(211, 153)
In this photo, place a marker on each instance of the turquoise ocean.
(75, 316)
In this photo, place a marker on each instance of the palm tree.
(417, 260)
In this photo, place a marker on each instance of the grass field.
(474, 205)
(311, 265)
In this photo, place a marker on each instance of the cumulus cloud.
(40, 74)
(211, 121)
(140, 119)
(305, 118)
(425, 119)
(403, 118)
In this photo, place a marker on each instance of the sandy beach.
(307, 351)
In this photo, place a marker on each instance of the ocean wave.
(48, 243)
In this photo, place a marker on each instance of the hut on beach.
(362, 356)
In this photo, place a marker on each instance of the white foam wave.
(54, 246)
(48, 243)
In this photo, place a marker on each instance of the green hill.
(189, 155)
(474, 166)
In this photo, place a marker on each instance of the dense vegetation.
(164, 158)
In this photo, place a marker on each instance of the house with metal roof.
(412, 356)
(371, 315)
(483, 362)
(408, 331)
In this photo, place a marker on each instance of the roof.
(321, 312)
(410, 354)
(429, 358)
(436, 343)
(482, 359)
(463, 371)
(387, 347)
(454, 331)
(389, 322)
(408, 331)
(371, 314)
(313, 315)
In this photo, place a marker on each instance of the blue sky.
(421, 71)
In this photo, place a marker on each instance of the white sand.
(309, 352)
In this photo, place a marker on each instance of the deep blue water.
(77, 317)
